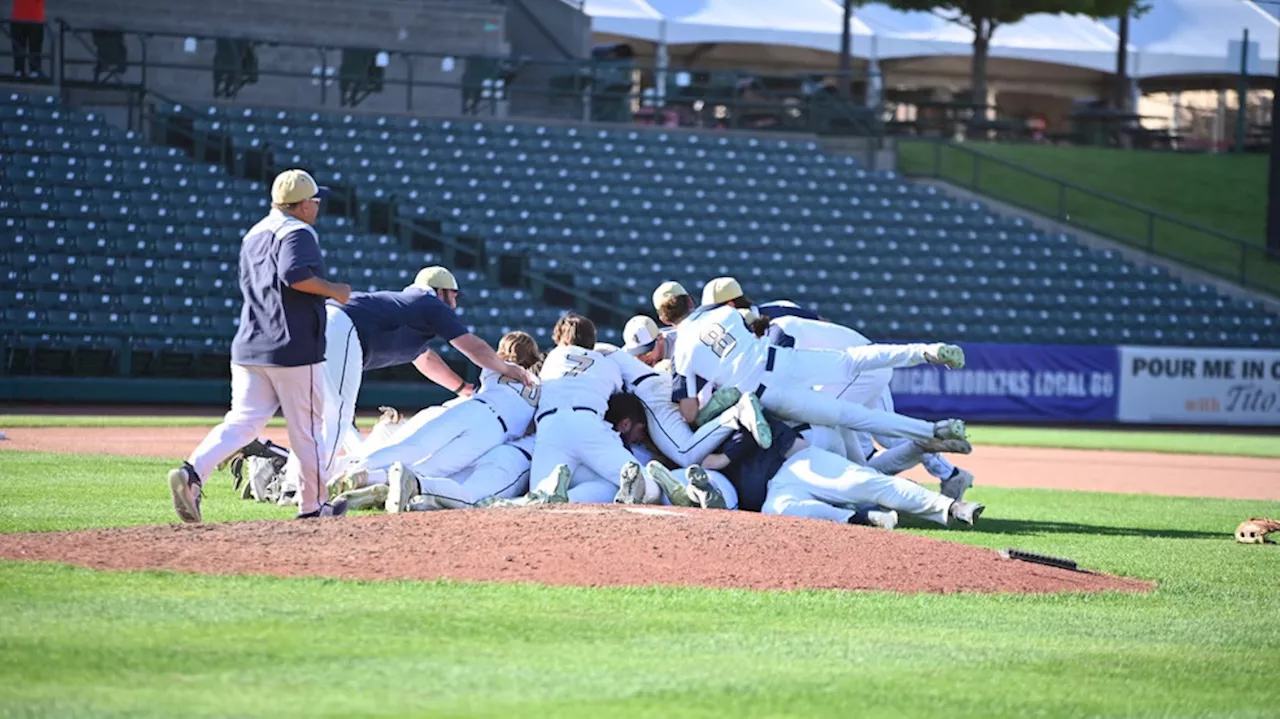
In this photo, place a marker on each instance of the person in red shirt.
(27, 30)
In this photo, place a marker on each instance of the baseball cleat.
(402, 484)
(949, 446)
(751, 418)
(875, 517)
(950, 356)
(336, 508)
(957, 484)
(261, 471)
(630, 485)
(949, 429)
(965, 512)
(373, 497)
(670, 485)
(559, 495)
(185, 487)
(721, 401)
(703, 491)
(350, 481)
(243, 489)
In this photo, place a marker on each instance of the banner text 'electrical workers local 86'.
(1176, 385)
(1006, 382)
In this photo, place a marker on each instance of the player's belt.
(550, 412)
(501, 421)
(773, 355)
(636, 382)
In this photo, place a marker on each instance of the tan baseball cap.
(293, 186)
(721, 290)
(666, 291)
(640, 335)
(435, 278)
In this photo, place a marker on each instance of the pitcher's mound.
(585, 545)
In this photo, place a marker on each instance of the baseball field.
(111, 609)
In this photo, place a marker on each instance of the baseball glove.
(1255, 531)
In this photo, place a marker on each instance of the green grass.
(1227, 193)
(1186, 442)
(76, 642)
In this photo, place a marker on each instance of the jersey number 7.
(717, 337)
(580, 364)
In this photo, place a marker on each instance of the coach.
(278, 351)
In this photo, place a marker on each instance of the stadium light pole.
(1273, 162)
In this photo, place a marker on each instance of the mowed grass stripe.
(77, 642)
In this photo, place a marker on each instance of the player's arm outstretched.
(484, 357)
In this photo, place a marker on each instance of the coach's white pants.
(452, 441)
(579, 438)
(818, 484)
(343, 368)
(256, 393)
(720, 482)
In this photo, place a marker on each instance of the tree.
(984, 17)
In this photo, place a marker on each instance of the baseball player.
(374, 330)
(278, 352)
(714, 348)
(870, 388)
(796, 479)
(668, 430)
(500, 473)
(500, 411)
(577, 382)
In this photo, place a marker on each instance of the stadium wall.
(448, 27)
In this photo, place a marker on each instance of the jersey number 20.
(718, 339)
(528, 394)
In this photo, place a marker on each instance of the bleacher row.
(102, 230)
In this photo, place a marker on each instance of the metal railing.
(1155, 232)
(308, 75)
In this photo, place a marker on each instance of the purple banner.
(1059, 383)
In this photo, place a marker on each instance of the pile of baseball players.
(728, 405)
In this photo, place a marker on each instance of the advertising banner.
(1176, 385)
(1006, 382)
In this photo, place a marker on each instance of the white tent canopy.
(815, 25)
(1194, 37)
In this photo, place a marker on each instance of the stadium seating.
(104, 232)
(896, 259)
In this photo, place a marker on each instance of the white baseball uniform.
(870, 388)
(501, 472)
(499, 411)
(670, 433)
(819, 484)
(715, 348)
(576, 385)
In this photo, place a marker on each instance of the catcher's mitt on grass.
(1255, 531)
